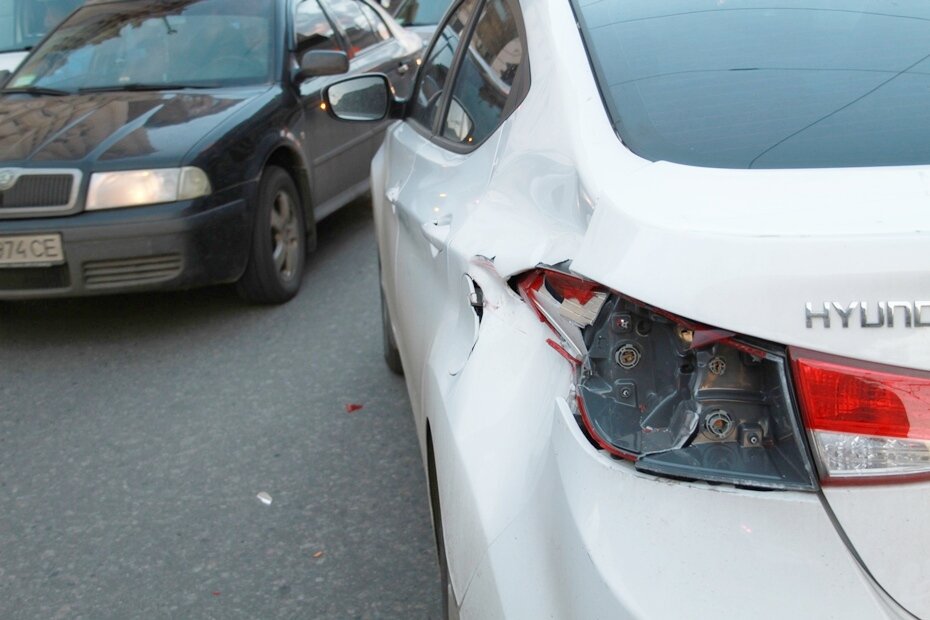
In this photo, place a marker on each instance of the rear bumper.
(599, 540)
(162, 247)
(540, 524)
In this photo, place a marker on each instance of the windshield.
(174, 44)
(765, 83)
(23, 23)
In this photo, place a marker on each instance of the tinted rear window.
(770, 84)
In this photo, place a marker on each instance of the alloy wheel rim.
(285, 236)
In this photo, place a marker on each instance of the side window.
(418, 12)
(486, 78)
(313, 30)
(438, 65)
(377, 24)
(358, 31)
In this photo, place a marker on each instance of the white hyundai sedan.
(655, 273)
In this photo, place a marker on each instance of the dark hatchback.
(176, 143)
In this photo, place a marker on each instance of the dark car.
(176, 143)
(419, 16)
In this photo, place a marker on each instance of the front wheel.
(279, 242)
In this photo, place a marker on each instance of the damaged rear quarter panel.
(490, 424)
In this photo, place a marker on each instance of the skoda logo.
(7, 179)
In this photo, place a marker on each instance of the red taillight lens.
(867, 421)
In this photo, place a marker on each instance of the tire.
(391, 353)
(278, 251)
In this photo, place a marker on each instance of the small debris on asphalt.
(264, 498)
(216, 594)
(319, 554)
(353, 407)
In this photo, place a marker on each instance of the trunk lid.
(785, 255)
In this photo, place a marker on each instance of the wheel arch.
(432, 483)
(286, 157)
(449, 601)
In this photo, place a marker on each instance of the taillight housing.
(676, 397)
(868, 423)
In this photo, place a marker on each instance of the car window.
(776, 84)
(485, 81)
(312, 27)
(436, 70)
(356, 27)
(23, 23)
(118, 45)
(377, 24)
(419, 12)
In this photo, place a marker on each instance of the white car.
(654, 272)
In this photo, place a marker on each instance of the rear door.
(414, 217)
(439, 165)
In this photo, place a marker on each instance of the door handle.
(403, 68)
(436, 233)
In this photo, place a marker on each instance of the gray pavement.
(136, 432)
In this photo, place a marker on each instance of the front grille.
(34, 278)
(38, 190)
(131, 271)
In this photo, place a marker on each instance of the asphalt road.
(137, 431)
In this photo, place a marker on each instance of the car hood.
(747, 251)
(106, 129)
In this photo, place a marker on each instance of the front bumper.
(161, 247)
(540, 524)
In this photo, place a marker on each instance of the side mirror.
(362, 98)
(319, 62)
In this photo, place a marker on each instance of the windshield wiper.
(139, 86)
(37, 90)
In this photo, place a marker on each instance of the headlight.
(133, 188)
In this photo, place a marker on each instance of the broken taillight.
(676, 397)
(868, 423)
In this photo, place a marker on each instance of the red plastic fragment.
(561, 351)
(572, 287)
(353, 407)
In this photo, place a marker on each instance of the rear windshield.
(765, 84)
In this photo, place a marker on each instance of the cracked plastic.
(680, 399)
(717, 411)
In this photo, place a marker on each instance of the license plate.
(31, 251)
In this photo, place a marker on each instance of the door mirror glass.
(364, 98)
(319, 62)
